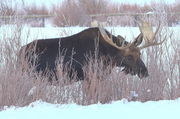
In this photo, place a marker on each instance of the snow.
(29, 34)
(165, 109)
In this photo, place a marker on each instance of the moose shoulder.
(77, 47)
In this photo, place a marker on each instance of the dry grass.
(102, 85)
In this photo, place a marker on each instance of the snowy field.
(29, 34)
(116, 110)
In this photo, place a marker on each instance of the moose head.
(129, 54)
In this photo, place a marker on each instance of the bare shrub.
(93, 6)
(15, 84)
(68, 13)
(6, 8)
(76, 12)
(10, 73)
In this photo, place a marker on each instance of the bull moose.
(77, 47)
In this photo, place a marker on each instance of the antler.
(148, 35)
(109, 40)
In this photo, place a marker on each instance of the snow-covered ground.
(29, 34)
(117, 110)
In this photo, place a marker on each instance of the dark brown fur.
(76, 48)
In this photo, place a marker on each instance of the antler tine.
(109, 40)
(148, 35)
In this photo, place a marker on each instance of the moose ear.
(138, 40)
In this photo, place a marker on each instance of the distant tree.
(76, 12)
(68, 13)
(94, 6)
(36, 10)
